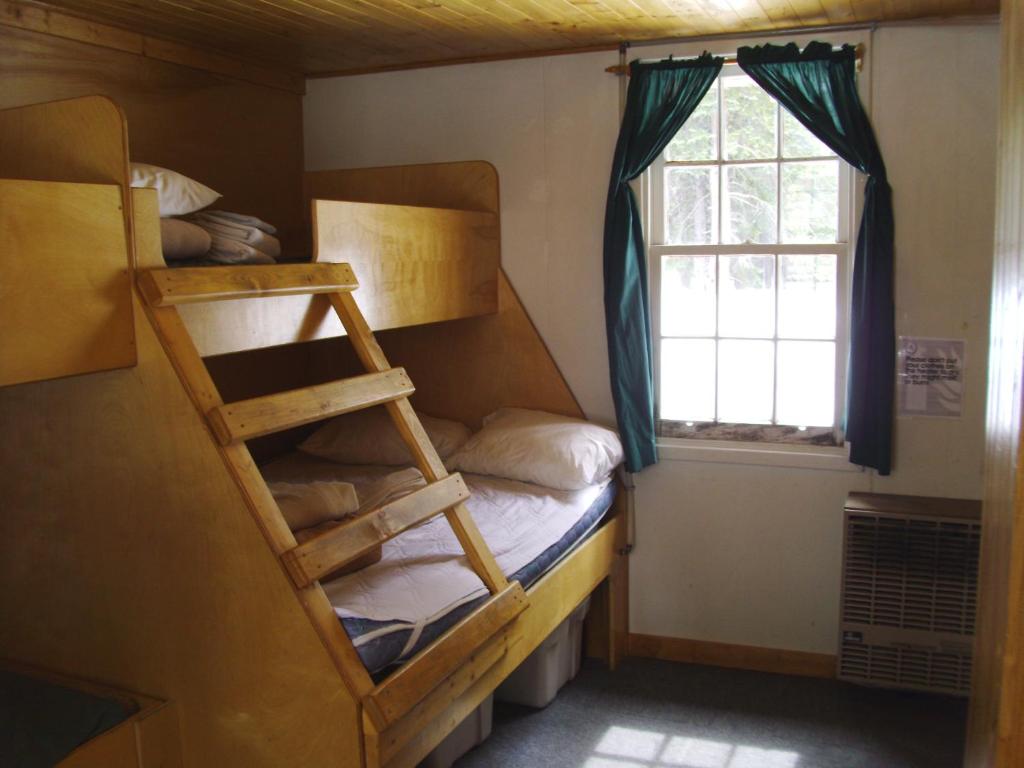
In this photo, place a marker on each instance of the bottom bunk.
(416, 612)
(423, 585)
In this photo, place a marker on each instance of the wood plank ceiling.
(318, 37)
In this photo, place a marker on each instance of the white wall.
(729, 552)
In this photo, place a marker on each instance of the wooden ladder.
(233, 423)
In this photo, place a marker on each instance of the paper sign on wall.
(930, 377)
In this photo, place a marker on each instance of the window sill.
(757, 454)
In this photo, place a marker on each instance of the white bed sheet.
(423, 573)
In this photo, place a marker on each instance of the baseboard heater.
(909, 591)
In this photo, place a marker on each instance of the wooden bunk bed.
(143, 546)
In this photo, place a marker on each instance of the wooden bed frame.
(142, 546)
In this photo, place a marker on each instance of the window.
(749, 256)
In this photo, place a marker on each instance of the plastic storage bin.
(556, 661)
(467, 734)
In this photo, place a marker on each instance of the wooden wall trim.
(50, 22)
(751, 657)
(995, 729)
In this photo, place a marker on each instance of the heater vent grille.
(906, 667)
(909, 593)
(911, 573)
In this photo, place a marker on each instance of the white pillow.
(370, 437)
(542, 448)
(178, 195)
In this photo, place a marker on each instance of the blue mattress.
(386, 650)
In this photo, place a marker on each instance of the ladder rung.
(343, 544)
(247, 419)
(403, 690)
(164, 287)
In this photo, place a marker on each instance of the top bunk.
(82, 237)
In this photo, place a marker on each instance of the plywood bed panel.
(65, 289)
(415, 264)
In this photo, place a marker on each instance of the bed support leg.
(607, 627)
(618, 609)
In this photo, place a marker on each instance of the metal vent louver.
(909, 592)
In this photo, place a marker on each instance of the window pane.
(746, 370)
(807, 296)
(747, 296)
(797, 141)
(696, 140)
(688, 379)
(806, 388)
(691, 205)
(810, 201)
(749, 204)
(749, 120)
(688, 296)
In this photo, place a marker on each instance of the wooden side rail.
(339, 546)
(189, 285)
(402, 691)
(259, 416)
(390, 742)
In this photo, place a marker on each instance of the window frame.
(651, 192)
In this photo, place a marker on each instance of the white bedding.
(423, 573)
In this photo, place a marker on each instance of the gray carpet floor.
(655, 714)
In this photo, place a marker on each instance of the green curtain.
(818, 87)
(661, 96)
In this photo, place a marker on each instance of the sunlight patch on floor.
(634, 748)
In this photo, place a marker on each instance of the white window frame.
(651, 193)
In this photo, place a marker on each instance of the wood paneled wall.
(996, 727)
(241, 139)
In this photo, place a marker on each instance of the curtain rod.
(623, 69)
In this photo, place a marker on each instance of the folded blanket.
(183, 240)
(255, 236)
(225, 251)
(305, 505)
(311, 509)
(238, 219)
(390, 488)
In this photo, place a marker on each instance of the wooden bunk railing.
(233, 423)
